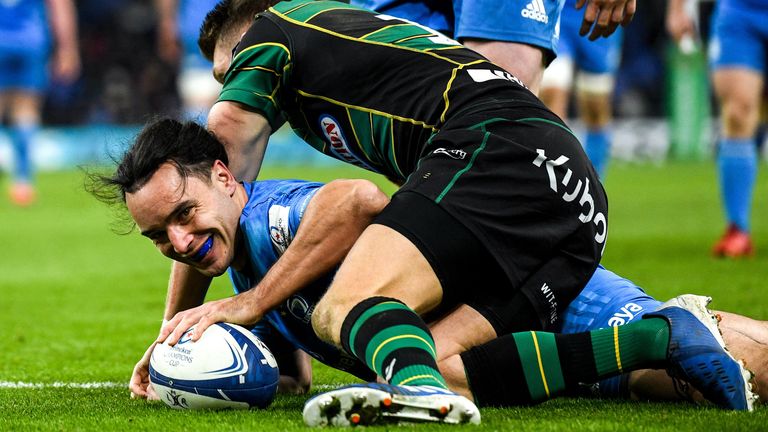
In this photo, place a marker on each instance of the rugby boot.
(374, 403)
(697, 354)
(734, 243)
(22, 194)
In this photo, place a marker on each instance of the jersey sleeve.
(257, 75)
(271, 219)
(286, 212)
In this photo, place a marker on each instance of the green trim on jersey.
(465, 169)
(309, 9)
(416, 45)
(361, 127)
(542, 120)
(260, 66)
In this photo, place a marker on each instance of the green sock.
(393, 341)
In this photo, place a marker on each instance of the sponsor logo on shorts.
(299, 308)
(483, 75)
(454, 154)
(536, 11)
(279, 232)
(627, 313)
(549, 295)
(338, 142)
(580, 191)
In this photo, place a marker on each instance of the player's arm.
(243, 133)
(186, 289)
(335, 217)
(679, 21)
(167, 30)
(295, 373)
(66, 57)
(603, 16)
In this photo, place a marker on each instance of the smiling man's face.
(190, 220)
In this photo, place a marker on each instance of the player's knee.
(323, 322)
(740, 118)
(596, 116)
(369, 199)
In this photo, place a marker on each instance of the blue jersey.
(23, 24)
(269, 223)
(532, 22)
(24, 45)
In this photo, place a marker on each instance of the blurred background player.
(596, 63)
(25, 45)
(178, 26)
(737, 55)
(519, 36)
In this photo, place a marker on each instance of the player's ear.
(222, 175)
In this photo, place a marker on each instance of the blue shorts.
(608, 300)
(739, 35)
(600, 56)
(532, 22)
(23, 69)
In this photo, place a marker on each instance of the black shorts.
(510, 214)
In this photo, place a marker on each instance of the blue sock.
(737, 165)
(598, 148)
(21, 137)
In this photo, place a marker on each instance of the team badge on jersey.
(279, 232)
(338, 142)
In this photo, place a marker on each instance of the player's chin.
(212, 269)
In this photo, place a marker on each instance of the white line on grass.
(57, 384)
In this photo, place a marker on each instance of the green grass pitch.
(79, 304)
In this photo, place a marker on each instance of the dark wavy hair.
(226, 17)
(187, 145)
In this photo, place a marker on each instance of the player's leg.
(556, 85)
(24, 124)
(518, 36)
(737, 55)
(597, 62)
(372, 310)
(738, 91)
(746, 339)
(22, 82)
(526, 62)
(545, 365)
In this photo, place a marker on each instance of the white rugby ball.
(228, 367)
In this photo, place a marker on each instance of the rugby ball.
(228, 367)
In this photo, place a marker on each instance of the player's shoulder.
(278, 190)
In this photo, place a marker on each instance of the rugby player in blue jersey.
(520, 36)
(738, 56)
(25, 62)
(176, 185)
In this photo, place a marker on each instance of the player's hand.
(139, 385)
(678, 22)
(239, 309)
(65, 65)
(603, 16)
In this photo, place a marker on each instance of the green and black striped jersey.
(365, 88)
